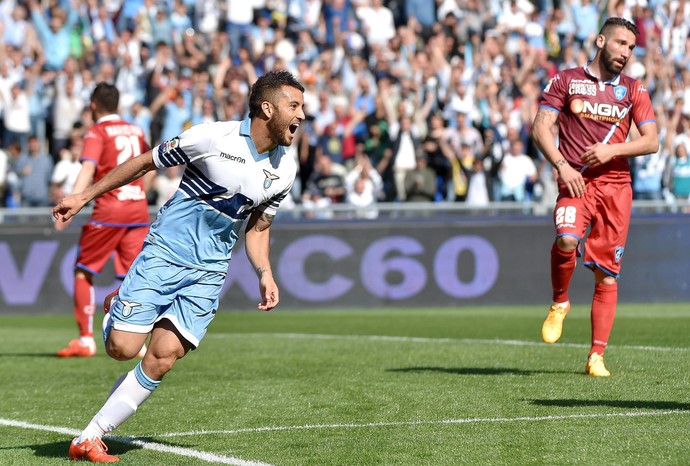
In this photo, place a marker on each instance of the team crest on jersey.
(167, 146)
(620, 91)
(127, 311)
(269, 178)
(619, 253)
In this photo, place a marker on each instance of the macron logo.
(232, 158)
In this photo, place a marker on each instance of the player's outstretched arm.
(84, 178)
(257, 245)
(121, 175)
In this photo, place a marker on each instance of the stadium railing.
(389, 211)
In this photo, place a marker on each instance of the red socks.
(562, 267)
(603, 313)
(84, 306)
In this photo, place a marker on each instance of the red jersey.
(110, 142)
(593, 111)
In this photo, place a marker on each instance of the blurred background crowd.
(406, 100)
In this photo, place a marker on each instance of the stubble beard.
(609, 63)
(276, 128)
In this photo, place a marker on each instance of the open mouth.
(293, 128)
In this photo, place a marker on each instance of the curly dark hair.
(267, 88)
(612, 22)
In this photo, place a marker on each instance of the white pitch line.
(421, 422)
(402, 339)
(180, 451)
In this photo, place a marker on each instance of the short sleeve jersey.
(593, 111)
(110, 142)
(224, 181)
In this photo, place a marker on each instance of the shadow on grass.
(116, 446)
(60, 449)
(628, 404)
(476, 370)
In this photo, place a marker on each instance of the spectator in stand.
(128, 77)
(175, 104)
(648, 170)
(378, 148)
(16, 115)
(36, 91)
(13, 194)
(516, 173)
(478, 183)
(420, 183)
(336, 15)
(55, 33)
(423, 12)
(343, 127)
(363, 186)
(433, 149)
(161, 25)
(405, 136)
(330, 144)
(325, 186)
(14, 25)
(240, 15)
(35, 170)
(678, 173)
(67, 109)
(376, 22)
(494, 151)
(66, 171)
(586, 19)
(141, 116)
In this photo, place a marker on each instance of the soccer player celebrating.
(594, 106)
(120, 219)
(235, 170)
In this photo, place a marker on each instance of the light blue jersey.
(180, 271)
(225, 180)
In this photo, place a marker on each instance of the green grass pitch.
(471, 385)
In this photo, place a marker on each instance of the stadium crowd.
(406, 100)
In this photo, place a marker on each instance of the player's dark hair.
(106, 97)
(267, 88)
(618, 22)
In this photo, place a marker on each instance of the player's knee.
(567, 243)
(121, 350)
(603, 278)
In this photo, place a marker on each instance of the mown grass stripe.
(404, 339)
(422, 422)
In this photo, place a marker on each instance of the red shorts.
(98, 243)
(606, 208)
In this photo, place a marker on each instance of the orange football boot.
(91, 450)
(76, 350)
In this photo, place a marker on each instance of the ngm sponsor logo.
(599, 110)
